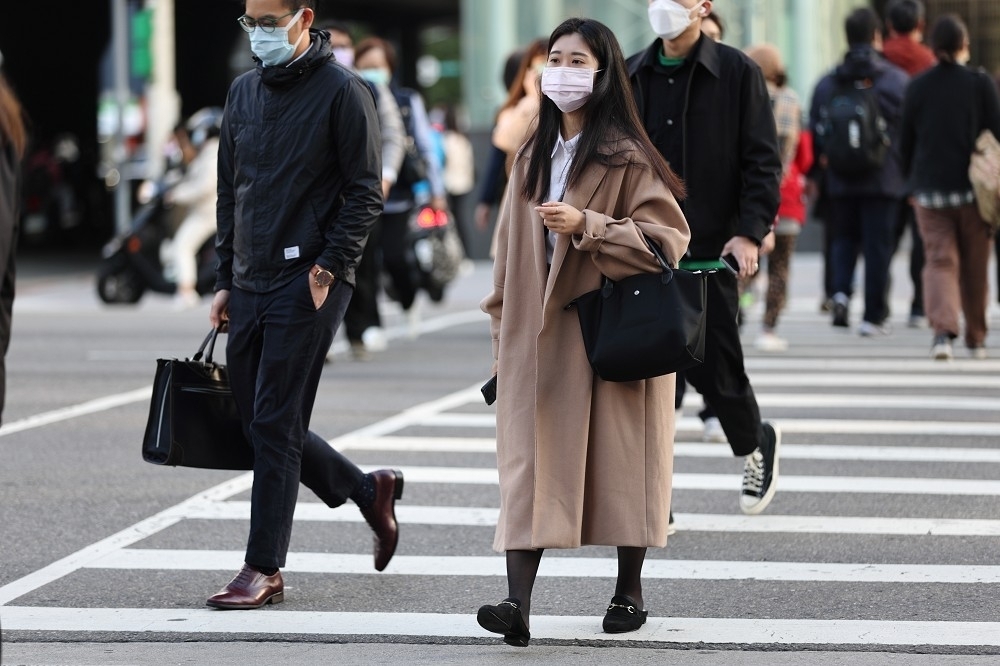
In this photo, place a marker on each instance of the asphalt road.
(880, 547)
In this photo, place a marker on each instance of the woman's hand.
(562, 218)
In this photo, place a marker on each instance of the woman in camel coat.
(581, 461)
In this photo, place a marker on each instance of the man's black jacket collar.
(704, 53)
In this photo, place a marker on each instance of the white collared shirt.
(562, 161)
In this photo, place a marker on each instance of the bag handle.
(209, 342)
(657, 252)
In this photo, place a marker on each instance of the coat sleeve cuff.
(595, 227)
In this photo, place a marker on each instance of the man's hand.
(482, 216)
(745, 251)
(767, 244)
(562, 218)
(218, 316)
(317, 292)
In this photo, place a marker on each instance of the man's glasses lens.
(266, 24)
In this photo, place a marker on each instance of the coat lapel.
(579, 197)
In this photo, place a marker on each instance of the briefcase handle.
(208, 342)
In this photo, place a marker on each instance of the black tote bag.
(645, 325)
(193, 421)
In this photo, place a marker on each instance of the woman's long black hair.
(609, 114)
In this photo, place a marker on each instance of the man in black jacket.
(707, 109)
(299, 189)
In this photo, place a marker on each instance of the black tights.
(522, 567)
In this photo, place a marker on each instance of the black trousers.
(275, 352)
(8, 248)
(397, 258)
(907, 219)
(362, 312)
(722, 379)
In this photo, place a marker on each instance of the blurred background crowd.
(94, 133)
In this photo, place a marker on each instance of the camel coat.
(581, 460)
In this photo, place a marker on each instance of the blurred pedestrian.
(726, 150)
(944, 111)
(855, 121)
(567, 459)
(516, 118)
(905, 49)
(362, 321)
(795, 148)
(299, 188)
(493, 180)
(196, 192)
(713, 26)
(13, 140)
(459, 168)
(376, 61)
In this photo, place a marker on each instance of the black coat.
(889, 84)
(730, 162)
(944, 110)
(300, 172)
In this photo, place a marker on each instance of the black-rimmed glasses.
(267, 24)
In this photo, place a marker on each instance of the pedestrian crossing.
(918, 466)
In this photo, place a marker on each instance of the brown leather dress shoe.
(249, 589)
(381, 515)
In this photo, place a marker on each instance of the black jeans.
(863, 223)
(276, 349)
(722, 379)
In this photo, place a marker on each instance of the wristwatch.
(323, 277)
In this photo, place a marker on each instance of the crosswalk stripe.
(801, 484)
(697, 450)
(917, 363)
(836, 426)
(572, 567)
(689, 522)
(853, 401)
(666, 630)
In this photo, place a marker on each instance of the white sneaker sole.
(751, 506)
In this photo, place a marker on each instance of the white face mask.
(273, 48)
(568, 87)
(669, 18)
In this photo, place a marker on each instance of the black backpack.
(853, 132)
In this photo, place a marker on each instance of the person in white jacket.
(196, 191)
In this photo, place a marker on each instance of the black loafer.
(623, 615)
(505, 618)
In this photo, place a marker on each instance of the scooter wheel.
(123, 286)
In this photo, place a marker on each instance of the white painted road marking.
(571, 567)
(461, 516)
(673, 630)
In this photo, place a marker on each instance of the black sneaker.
(840, 303)
(671, 528)
(760, 472)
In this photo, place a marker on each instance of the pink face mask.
(568, 87)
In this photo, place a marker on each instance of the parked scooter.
(133, 261)
(142, 259)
